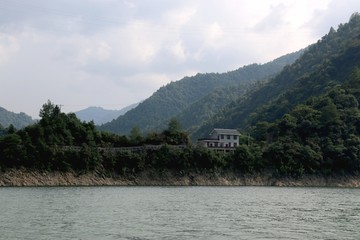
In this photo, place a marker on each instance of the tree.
(135, 136)
(174, 135)
(244, 159)
(11, 150)
(2, 130)
(287, 124)
(329, 114)
(49, 110)
(174, 126)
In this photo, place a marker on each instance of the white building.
(220, 138)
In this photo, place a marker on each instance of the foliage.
(304, 121)
(322, 66)
(2, 130)
(320, 136)
(62, 142)
(201, 95)
(18, 120)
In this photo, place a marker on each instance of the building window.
(222, 136)
(228, 136)
(235, 145)
(235, 137)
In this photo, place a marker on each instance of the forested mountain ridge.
(18, 120)
(323, 65)
(175, 97)
(319, 133)
(320, 136)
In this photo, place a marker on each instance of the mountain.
(18, 120)
(207, 107)
(100, 115)
(323, 65)
(193, 92)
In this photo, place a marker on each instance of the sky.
(113, 53)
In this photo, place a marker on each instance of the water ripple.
(147, 213)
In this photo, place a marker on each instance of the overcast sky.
(112, 53)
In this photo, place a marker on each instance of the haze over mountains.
(195, 99)
(191, 100)
(302, 120)
(97, 114)
(251, 94)
(245, 97)
(325, 64)
(100, 115)
(18, 120)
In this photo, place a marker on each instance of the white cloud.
(180, 17)
(179, 51)
(335, 13)
(8, 47)
(114, 53)
(214, 35)
(104, 51)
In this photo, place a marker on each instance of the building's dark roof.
(225, 131)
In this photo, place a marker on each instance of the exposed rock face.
(23, 177)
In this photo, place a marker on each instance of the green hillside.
(172, 99)
(100, 115)
(305, 120)
(18, 120)
(322, 66)
(320, 136)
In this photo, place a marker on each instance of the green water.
(179, 213)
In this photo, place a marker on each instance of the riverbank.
(24, 177)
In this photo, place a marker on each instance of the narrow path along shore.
(24, 177)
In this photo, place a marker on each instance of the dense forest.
(305, 120)
(18, 120)
(61, 142)
(200, 96)
(323, 65)
(321, 135)
(318, 137)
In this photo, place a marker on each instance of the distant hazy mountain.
(100, 115)
(174, 98)
(18, 120)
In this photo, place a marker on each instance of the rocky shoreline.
(25, 177)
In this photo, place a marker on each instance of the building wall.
(218, 140)
(229, 140)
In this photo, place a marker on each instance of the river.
(179, 213)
